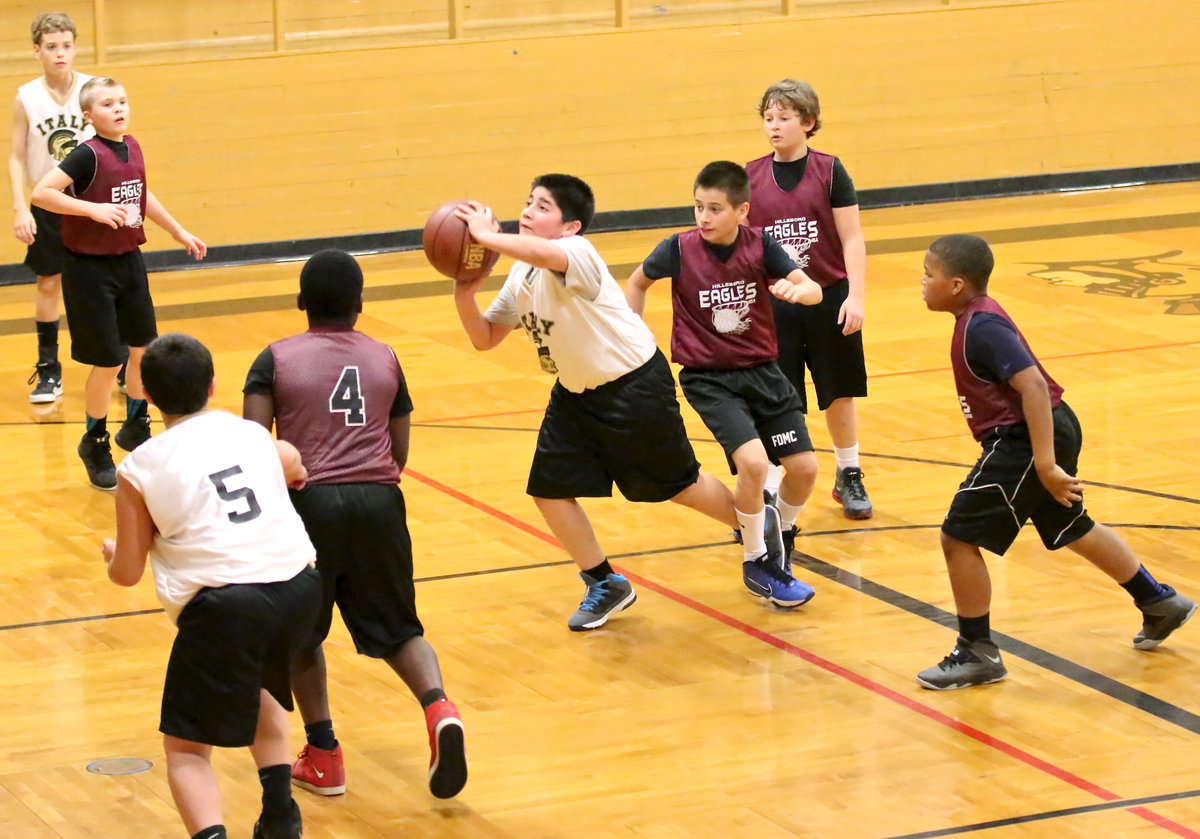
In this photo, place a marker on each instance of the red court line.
(836, 669)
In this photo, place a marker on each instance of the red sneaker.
(447, 755)
(320, 770)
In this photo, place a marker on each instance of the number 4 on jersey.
(347, 398)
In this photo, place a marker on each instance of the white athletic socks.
(847, 458)
(774, 479)
(753, 543)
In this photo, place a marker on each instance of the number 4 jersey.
(215, 489)
(335, 392)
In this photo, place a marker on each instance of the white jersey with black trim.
(580, 322)
(215, 490)
(53, 129)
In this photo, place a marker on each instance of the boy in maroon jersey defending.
(806, 200)
(724, 276)
(340, 398)
(100, 191)
(1015, 410)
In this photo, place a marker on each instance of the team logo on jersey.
(796, 236)
(60, 143)
(730, 303)
(538, 330)
(1157, 276)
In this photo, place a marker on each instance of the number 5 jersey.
(215, 489)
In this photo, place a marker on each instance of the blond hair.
(799, 96)
(48, 22)
(87, 93)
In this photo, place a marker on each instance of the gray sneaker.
(848, 490)
(1162, 617)
(603, 598)
(977, 663)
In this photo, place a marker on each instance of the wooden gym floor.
(699, 712)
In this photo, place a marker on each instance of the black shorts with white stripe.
(1002, 491)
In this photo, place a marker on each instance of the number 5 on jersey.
(347, 398)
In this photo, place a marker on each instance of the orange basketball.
(450, 248)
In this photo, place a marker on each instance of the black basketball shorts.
(45, 257)
(628, 431)
(741, 405)
(364, 556)
(810, 336)
(108, 305)
(233, 642)
(1002, 491)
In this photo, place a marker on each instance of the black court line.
(1123, 804)
(1056, 664)
(875, 455)
(83, 619)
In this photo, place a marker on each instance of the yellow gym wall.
(367, 139)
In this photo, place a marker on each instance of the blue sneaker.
(603, 598)
(765, 578)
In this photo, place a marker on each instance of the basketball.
(450, 248)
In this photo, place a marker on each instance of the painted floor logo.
(1136, 277)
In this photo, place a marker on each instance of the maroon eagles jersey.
(987, 404)
(723, 318)
(334, 391)
(115, 182)
(800, 220)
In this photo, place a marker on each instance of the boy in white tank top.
(207, 501)
(47, 123)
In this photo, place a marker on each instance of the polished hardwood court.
(699, 713)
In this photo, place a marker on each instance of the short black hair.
(966, 256)
(727, 176)
(177, 371)
(572, 195)
(331, 283)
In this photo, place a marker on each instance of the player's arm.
(854, 252)
(798, 287)
(49, 195)
(398, 430)
(1035, 405)
(535, 250)
(126, 556)
(259, 408)
(158, 214)
(24, 227)
(294, 473)
(635, 290)
(484, 334)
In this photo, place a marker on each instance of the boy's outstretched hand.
(1065, 489)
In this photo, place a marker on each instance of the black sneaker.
(96, 454)
(48, 375)
(848, 490)
(1162, 617)
(133, 432)
(121, 378)
(288, 826)
(976, 663)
